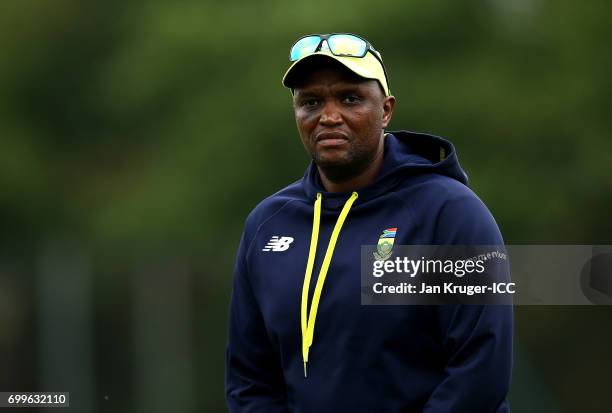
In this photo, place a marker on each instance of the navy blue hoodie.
(450, 358)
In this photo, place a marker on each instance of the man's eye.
(309, 103)
(351, 99)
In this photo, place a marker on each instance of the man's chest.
(278, 261)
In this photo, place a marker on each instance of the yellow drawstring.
(308, 322)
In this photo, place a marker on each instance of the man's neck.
(363, 179)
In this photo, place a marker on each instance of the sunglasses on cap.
(347, 48)
(339, 44)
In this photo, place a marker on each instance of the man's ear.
(388, 106)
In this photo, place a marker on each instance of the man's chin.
(338, 169)
(329, 161)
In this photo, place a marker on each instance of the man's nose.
(330, 115)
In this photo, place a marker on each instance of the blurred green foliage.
(144, 132)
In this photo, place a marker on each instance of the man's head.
(340, 114)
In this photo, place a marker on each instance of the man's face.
(340, 118)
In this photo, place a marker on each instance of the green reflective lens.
(303, 47)
(347, 45)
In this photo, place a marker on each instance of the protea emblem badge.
(384, 248)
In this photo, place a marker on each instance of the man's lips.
(331, 138)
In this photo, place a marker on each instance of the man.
(299, 261)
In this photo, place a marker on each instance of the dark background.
(135, 137)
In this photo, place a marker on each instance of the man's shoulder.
(273, 204)
(433, 186)
(458, 214)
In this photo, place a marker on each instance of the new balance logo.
(277, 244)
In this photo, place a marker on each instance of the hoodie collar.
(405, 153)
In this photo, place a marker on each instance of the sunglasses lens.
(347, 45)
(304, 46)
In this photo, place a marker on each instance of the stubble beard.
(347, 167)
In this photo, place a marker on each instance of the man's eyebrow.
(305, 93)
(338, 89)
(348, 88)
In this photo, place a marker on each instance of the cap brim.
(368, 67)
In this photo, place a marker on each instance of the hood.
(405, 153)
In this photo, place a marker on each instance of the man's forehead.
(330, 74)
(323, 65)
